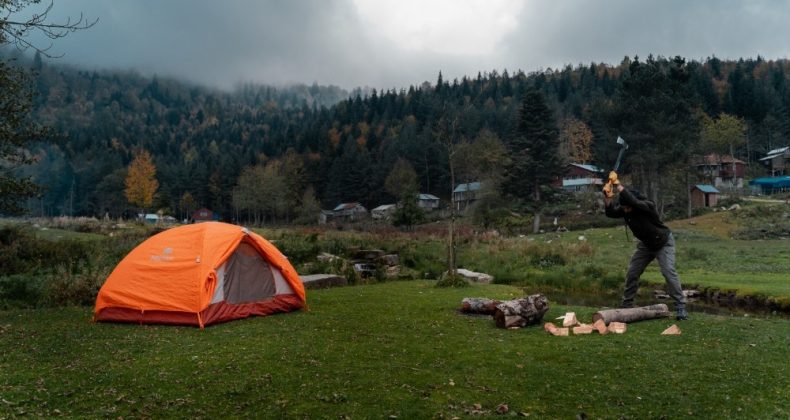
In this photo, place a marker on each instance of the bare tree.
(16, 31)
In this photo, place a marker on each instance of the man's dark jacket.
(643, 220)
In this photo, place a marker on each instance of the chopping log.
(521, 312)
(483, 306)
(628, 315)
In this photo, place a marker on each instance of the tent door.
(248, 277)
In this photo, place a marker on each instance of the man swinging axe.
(655, 239)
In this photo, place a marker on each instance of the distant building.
(152, 218)
(778, 160)
(349, 211)
(428, 202)
(722, 171)
(203, 215)
(466, 194)
(579, 177)
(704, 196)
(384, 211)
(771, 185)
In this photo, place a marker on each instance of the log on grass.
(521, 312)
(483, 306)
(628, 315)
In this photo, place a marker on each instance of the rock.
(734, 207)
(617, 327)
(327, 257)
(323, 281)
(673, 330)
(391, 259)
(474, 277)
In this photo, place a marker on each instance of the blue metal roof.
(471, 186)
(707, 188)
(774, 182)
(427, 197)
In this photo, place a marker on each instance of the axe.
(623, 147)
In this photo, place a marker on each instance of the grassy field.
(391, 350)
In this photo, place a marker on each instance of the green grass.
(392, 349)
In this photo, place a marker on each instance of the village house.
(349, 211)
(722, 171)
(428, 202)
(704, 196)
(579, 177)
(465, 194)
(778, 160)
(203, 215)
(383, 212)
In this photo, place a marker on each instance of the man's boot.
(682, 315)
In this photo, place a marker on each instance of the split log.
(601, 327)
(617, 327)
(521, 312)
(583, 329)
(483, 306)
(673, 330)
(629, 315)
(569, 320)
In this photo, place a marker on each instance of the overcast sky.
(397, 43)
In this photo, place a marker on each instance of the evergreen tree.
(534, 153)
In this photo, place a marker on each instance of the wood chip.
(673, 330)
(617, 327)
(570, 320)
(600, 325)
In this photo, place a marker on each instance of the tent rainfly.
(200, 275)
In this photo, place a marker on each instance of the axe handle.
(619, 158)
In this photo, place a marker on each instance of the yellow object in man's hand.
(607, 190)
(613, 178)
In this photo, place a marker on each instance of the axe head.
(622, 142)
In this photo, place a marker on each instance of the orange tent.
(200, 274)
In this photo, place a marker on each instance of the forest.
(280, 154)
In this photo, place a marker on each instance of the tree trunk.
(536, 220)
(482, 306)
(521, 312)
(628, 315)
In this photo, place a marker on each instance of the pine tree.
(534, 152)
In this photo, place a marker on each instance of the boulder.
(323, 281)
(474, 277)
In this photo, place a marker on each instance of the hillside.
(343, 151)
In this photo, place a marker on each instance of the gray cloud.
(221, 43)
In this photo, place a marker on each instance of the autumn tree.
(723, 135)
(575, 141)
(141, 183)
(187, 204)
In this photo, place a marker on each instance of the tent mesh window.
(248, 277)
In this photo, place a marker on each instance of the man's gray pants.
(666, 261)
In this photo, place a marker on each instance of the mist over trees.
(321, 143)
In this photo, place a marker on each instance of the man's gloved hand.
(613, 178)
(607, 190)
